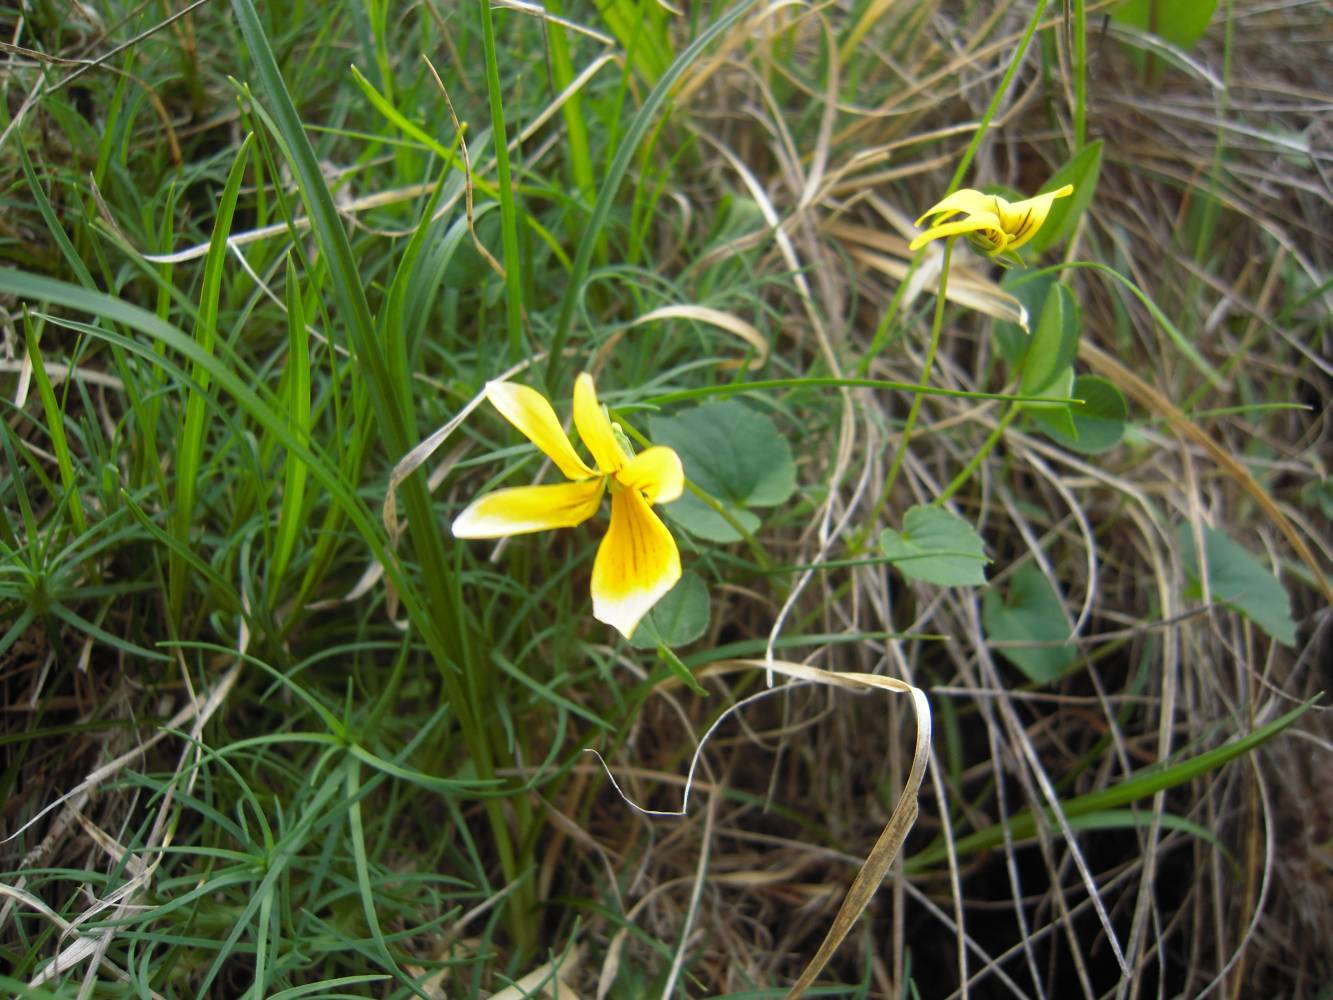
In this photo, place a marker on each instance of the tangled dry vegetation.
(1241, 915)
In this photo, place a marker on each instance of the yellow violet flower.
(638, 561)
(993, 225)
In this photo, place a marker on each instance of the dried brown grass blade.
(548, 979)
(1149, 397)
(890, 841)
(713, 317)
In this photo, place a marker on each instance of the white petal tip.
(623, 613)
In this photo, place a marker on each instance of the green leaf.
(702, 521)
(1031, 613)
(1099, 421)
(1056, 417)
(732, 453)
(1320, 494)
(1240, 581)
(936, 546)
(1054, 343)
(1130, 819)
(677, 667)
(1082, 172)
(1031, 289)
(1180, 22)
(627, 149)
(680, 617)
(1153, 779)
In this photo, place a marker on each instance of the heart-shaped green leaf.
(1030, 612)
(734, 454)
(1240, 581)
(680, 617)
(1099, 420)
(938, 547)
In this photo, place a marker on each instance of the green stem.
(935, 327)
(995, 100)
(508, 208)
(1080, 74)
(881, 334)
(880, 338)
(965, 474)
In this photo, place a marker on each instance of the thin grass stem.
(936, 326)
(975, 461)
(508, 196)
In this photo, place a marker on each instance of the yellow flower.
(637, 561)
(993, 225)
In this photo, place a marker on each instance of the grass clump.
(270, 730)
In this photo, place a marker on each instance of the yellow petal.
(528, 410)
(966, 200)
(636, 563)
(522, 509)
(1022, 219)
(595, 428)
(656, 472)
(973, 223)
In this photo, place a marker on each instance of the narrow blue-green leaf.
(55, 425)
(591, 233)
(1187, 349)
(1129, 819)
(251, 397)
(1082, 171)
(677, 666)
(362, 865)
(279, 859)
(17, 629)
(508, 195)
(20, 988)
(189, 443)
(82, 624)
(324, 987)
(444, 627)
(1149, 782)
(261, 945)
(450, 785)
(224, 592)
(297, 403)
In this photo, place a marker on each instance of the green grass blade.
(591, 233)
(55, 424)
(509, 206)
(253, 401)
(442, 627)
(224, 593)
(1140, 786)
(297, 401)
(324, 987)
(190, 441)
